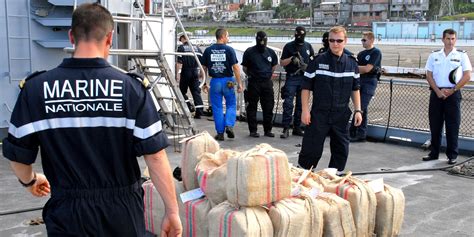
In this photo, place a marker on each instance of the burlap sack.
(258, 176)
(337, 216)
(296, 217)
(193, 147)
(195, 221)
(360, 196)
(227, 220)
(310, 181)
(390, 212)
(154, 208)
(212, 173)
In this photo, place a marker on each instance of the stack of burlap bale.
(258, 193)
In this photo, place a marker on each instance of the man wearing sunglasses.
(325, 41)
(369, 61)
(333, 78)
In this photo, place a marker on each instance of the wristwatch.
(29, 184)
(358, 111)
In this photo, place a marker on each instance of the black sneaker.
(428, 158)
(219, 137)
(254, 134)
(297, 131)
(452, 161)
(285, 133)
(230, 132)
(269, 134)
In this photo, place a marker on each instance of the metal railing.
(398, 103)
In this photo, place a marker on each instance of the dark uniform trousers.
(118, 210)
(448, 111)
(323, 123)
(260, 90)
(367, 91)
(291, 90)
(190, 79)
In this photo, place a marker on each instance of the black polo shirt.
(259, 64)
(189, 62)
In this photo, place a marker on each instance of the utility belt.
(91, 193)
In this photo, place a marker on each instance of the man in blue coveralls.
(220, 61)
(333, 79)
(91, 121)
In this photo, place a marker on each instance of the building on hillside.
(260, 16)
(365, 12)
(331, 13)
(403, 10)
(197, 13)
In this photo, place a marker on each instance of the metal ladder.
(153, 65)
(19, 62)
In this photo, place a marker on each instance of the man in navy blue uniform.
(333, 78)
(295, 58)
(187, 74)
(445, 98)
(258, 63)
(91, 121)
(220, 62)
(369, 61)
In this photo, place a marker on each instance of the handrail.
(203, 73)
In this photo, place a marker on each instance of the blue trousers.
(291, 90)
(446, 111)
(219, 89)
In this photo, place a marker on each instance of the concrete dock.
(437, 204)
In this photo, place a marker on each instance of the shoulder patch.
(434, 51)
(32, 75)
(460, 50)
(145, 83)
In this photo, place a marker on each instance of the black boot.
(297, 131)
(285, 133)
(219, 137)
(230, 132)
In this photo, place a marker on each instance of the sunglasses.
(336, 40)
(363, 40)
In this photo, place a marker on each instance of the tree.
(266, 4)
(244, 10)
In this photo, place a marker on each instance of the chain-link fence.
(398, 103)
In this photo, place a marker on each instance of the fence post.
(419, 61)
(398, 61)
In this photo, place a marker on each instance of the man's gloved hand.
(303, 66)
(295, 60)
